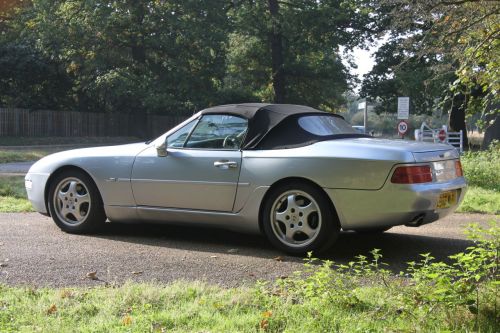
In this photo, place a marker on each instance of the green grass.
(482, 168)
(13, 197)
(480, 200)
(33, 141)
(197, 307)
(10, 156)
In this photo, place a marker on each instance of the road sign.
(402, 127)
(361, 105)
(403, 107)
(442, 135)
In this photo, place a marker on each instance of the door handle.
(225, 164)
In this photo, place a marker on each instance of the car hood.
(120, 154)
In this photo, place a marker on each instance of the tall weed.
(482, 168)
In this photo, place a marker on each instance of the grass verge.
(480, 200)
(13, 197)
(36, 141)
(11, 156)
(362, 296)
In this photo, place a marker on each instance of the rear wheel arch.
(287, 180)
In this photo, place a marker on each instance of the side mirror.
(161, 150)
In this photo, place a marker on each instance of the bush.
(482, 168)
(430, 296)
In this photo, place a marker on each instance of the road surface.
(34, 252)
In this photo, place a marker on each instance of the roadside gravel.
(34, 252)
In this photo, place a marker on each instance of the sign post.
(364, 106)
(403, 115)
(402, 128)
(403, 107)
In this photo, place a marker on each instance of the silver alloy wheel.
(72, 201)
(296, 218)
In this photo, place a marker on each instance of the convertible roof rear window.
(302, 130)
(325, 125)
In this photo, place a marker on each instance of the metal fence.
(45, 123)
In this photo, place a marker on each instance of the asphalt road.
(34, 252)
(15, 168)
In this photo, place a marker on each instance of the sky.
(365, 60)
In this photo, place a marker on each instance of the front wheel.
(298, 218)
(75, 203)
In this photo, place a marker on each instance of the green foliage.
(400, 71)
(311, 34)
(483, 168)
(433, 296)
(458, 41)
(480, 200)
(127, 56)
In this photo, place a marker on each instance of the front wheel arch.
(58, 172)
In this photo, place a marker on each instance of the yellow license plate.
(447, 199)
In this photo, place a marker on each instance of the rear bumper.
(394, 204)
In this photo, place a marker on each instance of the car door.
(200, 170)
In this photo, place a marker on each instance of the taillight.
(458, 169)
(412, 174)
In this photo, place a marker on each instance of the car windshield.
(324, 125)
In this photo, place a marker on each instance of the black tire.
(295, 227)
(82, 210)
(372, 231)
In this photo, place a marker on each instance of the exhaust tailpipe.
(417, 221)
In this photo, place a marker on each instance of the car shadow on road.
(397, 248)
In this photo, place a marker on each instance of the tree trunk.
(492, 132)
(138, 12)
(457, 117)
(275, 39)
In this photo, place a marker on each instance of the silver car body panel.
(186, 186)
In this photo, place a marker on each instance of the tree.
(129, 56)
(400, 71)
(466, 33)
(289, 51)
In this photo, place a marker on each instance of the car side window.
(177, 139)
(218, 132)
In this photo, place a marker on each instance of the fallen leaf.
(267, 314)
(278, 258)
(92, 276)
(52, 309)
(66, 293)
(232, 251)
(137, 273)
(251, 274)
(264, 324)
(127, 320)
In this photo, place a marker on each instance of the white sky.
(365, 59)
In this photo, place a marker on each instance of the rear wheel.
(298, 218)
(75, 203)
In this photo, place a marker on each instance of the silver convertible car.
(294, 173)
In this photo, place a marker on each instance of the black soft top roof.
(262, 118)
